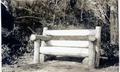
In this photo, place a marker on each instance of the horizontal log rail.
(34, 37)
(65, 51)
(68, 43)
(50, 37)
(75, 32)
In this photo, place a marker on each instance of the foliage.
(32, 16)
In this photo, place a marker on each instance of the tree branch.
(23, 17)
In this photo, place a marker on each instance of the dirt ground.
(25, 65)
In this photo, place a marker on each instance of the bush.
(31, 17)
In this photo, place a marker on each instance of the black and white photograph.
(59, 36)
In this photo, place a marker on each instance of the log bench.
(72, 43)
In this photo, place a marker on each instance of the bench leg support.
(42, 58)
(36, 51)
(91, 57)
(85, 61)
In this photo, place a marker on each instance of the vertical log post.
(36, 51)
(42, 56)
(94, 51)
(91, 63)
(114, 33)
(98, 46)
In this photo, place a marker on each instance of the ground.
(25, 65)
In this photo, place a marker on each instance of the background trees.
(32, 15)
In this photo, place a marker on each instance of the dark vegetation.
(31, 17)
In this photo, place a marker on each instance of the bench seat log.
(65, 51)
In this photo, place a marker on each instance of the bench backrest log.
(74, 43)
